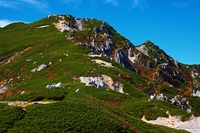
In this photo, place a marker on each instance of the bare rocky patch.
(103, 81)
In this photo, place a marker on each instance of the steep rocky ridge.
(165, 69)
(147, 59)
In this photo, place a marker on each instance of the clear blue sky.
(173, 25)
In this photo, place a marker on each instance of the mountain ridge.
(54, 57)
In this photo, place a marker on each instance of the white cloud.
(3, 23)
(8, 4)
(141, 4)
(136, 3)
(42, 5)
(113, 2)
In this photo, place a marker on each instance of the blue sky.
(173, 25)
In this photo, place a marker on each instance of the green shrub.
(9, 115)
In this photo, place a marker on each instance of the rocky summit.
(68, 74)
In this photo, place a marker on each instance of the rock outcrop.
(102, 81)
(183, 103)
(122, 59)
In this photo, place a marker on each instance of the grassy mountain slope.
(24, 47)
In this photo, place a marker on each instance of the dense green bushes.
(67, 117)
(9, 115)
(51, 94)
(195, 102)
(152, 109)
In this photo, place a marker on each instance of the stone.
(59, 84)
(100, 84)
(49, 86)
(10, 81)
(118, 86)
(196, 94)
(185, 105)
(152, 97)
(79, 90)
(41, 67)
(23, 92)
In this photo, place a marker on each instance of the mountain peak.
(100, 37)
(85, 65)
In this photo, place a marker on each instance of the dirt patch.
(175, 122)
(113, 102)
(50, 75)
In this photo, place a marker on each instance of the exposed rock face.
(132, 56)
(142, 49)
(117, 86)
(90, 81)
(183, 103)
(108, 47)
(75, 25)
(102, 81)
(63, 26)
(79, 24)
(122, 59)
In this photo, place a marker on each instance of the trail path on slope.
(25, 103)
